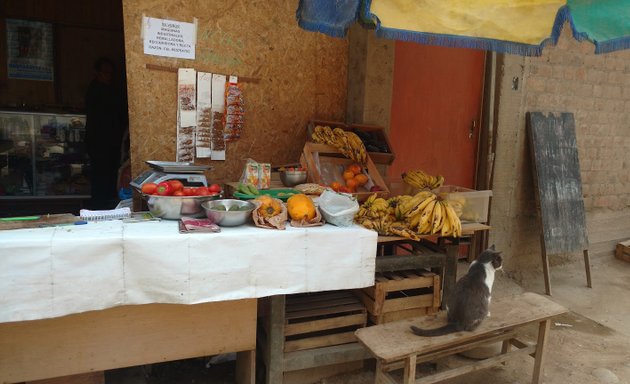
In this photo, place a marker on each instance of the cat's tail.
(448, 328)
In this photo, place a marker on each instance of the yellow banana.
(400, 229)
(455, 223)
(423, 205)
(447, 226)
(414, 221)
(427, 214)
(438, 217)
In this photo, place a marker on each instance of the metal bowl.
(174, 207)
(228, 212)
(292, 178)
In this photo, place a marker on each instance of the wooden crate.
(378, 157)
(321, 319)
(314, 154)
(401, 295)
(623, 251)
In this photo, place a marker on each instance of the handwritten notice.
(169, 38)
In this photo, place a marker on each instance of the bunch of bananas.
(418, 179)
(379, 215)
(375, 214)
(410, 216)
(348, 143)
(427, 214)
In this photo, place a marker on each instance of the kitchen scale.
(189, 174)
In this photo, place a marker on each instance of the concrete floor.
(590, 345)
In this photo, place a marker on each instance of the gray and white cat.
(471, 300)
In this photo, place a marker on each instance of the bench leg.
(381, 376)
(543, 330)
(409, 375)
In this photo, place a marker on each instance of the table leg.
(275, 340)
(246, 367)
(450, 271)
(543, 330)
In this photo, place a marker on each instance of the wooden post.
(545, 265)
(275, 341)
(587, 266)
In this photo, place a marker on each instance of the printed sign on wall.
(169, 38)
(30, 50)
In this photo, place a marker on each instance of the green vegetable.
(253, 190)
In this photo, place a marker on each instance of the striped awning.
(512, 26)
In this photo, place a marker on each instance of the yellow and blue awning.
(511, 26)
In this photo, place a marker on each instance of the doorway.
(435, 113)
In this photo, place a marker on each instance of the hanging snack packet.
(234, 110)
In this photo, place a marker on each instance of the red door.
(436, 100)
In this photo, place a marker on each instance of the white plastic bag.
(338, 208)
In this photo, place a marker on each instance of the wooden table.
(430, 252)
(106, 295)
(127, 336)
(396, 347)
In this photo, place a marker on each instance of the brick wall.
(568, 77)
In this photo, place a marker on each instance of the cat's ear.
(492, 247)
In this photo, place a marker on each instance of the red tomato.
(176, 185)
(202, 191)
(189, 191)
(149, 188)
(164, 189)
(214, 188)
(179, 193)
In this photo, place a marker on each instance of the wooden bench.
(396, 347)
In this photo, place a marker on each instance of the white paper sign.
(169, 38)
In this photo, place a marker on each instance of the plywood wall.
(302, 75)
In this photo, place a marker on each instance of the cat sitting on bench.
(470, 304)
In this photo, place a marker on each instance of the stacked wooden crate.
(400, 295)
(322, 319)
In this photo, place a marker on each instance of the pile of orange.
(353, 177)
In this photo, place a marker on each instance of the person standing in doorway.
(106, 121)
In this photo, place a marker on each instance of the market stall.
(88, 292)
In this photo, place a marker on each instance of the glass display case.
(43, 154)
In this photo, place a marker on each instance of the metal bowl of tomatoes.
(173, 203)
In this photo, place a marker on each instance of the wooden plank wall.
(83, 31)
(302, 75)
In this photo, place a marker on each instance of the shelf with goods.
(43, 154)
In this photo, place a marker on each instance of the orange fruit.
(354, 168)
(361, 179)
(351, 184)
(348, 175)
(335, 186)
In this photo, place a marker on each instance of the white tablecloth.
(51, 272)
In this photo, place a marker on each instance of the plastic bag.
(338, 208)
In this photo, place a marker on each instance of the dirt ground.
(589, 345)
